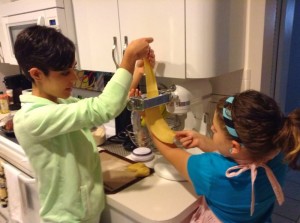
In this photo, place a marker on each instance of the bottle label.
(4, 104)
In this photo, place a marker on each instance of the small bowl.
(142, 154)
(8, 120)
(7, 132)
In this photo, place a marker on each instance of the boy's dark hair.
(44, 48)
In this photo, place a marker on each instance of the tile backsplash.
(200, 90)
(204, 92)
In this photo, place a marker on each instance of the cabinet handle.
(114, 47)
(125, 44)
(1, 54)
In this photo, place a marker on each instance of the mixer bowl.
(140, 138)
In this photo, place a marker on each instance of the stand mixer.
(176, 101)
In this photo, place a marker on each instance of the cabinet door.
(96, 23)
(164, 21)
(215, 37)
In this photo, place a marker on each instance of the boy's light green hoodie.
(60, 147)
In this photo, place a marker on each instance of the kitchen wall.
(202, 89)
(5, 1)
(5, 70)
(257, 26)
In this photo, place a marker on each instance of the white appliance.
(23, 202)
(177, 100)
(18, 15)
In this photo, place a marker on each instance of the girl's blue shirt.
(230, 198)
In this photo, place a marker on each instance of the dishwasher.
(23, 202)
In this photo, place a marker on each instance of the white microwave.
(18, 15)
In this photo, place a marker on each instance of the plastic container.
(99, 135)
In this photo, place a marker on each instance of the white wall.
(259, 25)
(254, 50)
(4, 1)
(250, 77)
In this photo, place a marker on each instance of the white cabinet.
(192, 38)
(96, 24)
(98, 21)
(164, 21)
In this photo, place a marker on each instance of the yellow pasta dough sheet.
(154, 119)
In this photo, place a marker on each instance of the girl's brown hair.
(262, 127)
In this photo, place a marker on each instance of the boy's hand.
(136, 50)
(139, 68)
(139, 65)
(139, 49)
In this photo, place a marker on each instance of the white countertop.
(155, 199)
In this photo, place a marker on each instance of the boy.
(54, 128)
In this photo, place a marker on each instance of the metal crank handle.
(140, 104)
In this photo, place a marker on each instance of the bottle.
(4, 103)
(9, 93)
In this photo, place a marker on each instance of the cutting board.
(115, 175)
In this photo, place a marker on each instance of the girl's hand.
(134, 93)
(192, 139)
(188, 138)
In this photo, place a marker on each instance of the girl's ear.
(236, 147)
(36, 74)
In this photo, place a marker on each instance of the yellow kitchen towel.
(14, 192)
(154, 119)
(3, 188)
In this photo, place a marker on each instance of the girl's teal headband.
(228, 119)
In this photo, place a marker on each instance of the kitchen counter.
(153, 199)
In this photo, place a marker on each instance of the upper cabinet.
(97, 32)
(104, 28)
(192, 38)
(164, 21)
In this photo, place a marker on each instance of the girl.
(254, 142)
